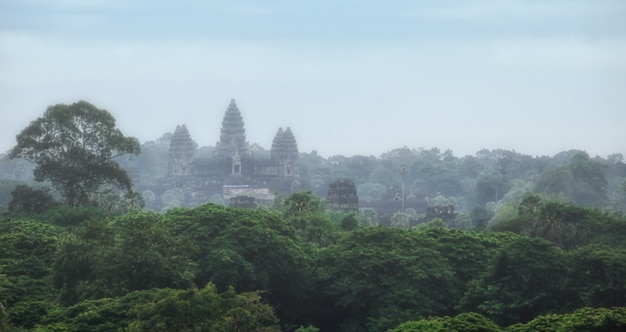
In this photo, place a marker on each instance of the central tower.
(233, 133)
(232, 145)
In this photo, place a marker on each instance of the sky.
(348, 77)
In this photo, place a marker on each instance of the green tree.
(74, 147)
(302, 203)
(250, 250)
(525, 279)
(369, 216)
(468, 253)
(27, 200)
(435, 173)
(400, 220)
(165, 309)
(584, 319)
(590, 181)
(135, 251)
(582, 180)
(27, 250)
(465, 322)
(203, 310)
(6, 188)
(598, 274)
(566, 225)
(491, 187)
(376, 278)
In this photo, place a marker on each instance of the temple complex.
(233, 164)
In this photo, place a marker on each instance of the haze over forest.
(312, 166)
(349, 78)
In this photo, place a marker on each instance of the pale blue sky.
(349, 77)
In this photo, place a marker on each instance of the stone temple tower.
(284, 152)
(232, 146)
(180, 153)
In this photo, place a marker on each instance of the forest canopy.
(498, 241)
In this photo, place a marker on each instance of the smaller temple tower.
(180, 153)
(284, 153)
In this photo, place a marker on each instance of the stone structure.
(446, 213)
(259, 195)
(233, 163)
(342, 196)
(245, 202)
(180, 154)
(285, 153)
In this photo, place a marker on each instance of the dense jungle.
(535, 243)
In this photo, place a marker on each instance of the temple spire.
(180, 152)
(232, 133)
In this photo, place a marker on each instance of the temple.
(233, 167)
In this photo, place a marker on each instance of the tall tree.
(377, 277)
(526, 278)
(73, 147)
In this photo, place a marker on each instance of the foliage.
(400, 220)
(138, 271)
(491, 186)
(307, 329)
(526, 279)
(369, 216)
(101, 259)
(73, 147)
(468, 253)
(4, 316)
(566, 225)
(301, 203)
(378, 277)
(480, 216)
(584, 319)
(435, 173)
(599, 275)
(63, 215)
(318, 229)
(116, 203)
(7, 186)
(27, 249)
(349, 222)
(465, 322)
(248, 249)
(582, 179)
(27, 200)
(203, 310)
(166, 310)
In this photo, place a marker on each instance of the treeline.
(488, 184)
(299, 267)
